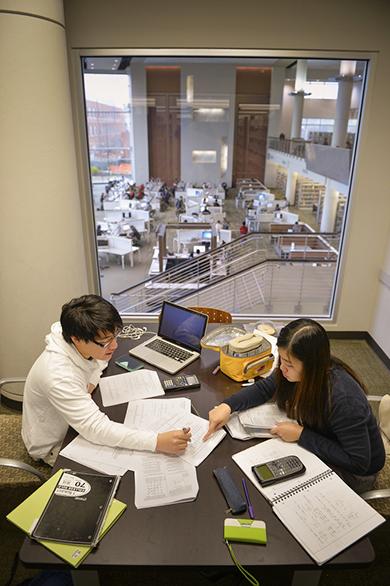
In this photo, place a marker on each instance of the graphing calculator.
(278, 470)
(181, 383)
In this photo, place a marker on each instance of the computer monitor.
(199, 248)
(206, 235)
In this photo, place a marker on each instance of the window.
(242, 147)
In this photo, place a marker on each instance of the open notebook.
(323, 514)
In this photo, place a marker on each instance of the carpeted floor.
(375, 375)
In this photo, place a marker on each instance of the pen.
(186, 430)
(195, 410)
(248, 500)
(216, 370)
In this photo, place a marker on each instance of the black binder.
(77, 508)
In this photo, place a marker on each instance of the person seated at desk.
(58, 388)
(333, 417)
(296, 228)
(135, 236)
(243, 229)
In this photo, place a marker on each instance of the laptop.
(177, 342)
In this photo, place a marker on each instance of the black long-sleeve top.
(351, 438)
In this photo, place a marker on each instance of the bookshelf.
(281, 181)
(308, 194)
(340, 211)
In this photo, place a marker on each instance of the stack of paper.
(27, 513)
(238, 431)
(159, 479)
(164, 480)
(101, 458)
(262, 419)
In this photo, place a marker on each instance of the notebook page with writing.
(270, 450)
(326, 516)
(323, 514)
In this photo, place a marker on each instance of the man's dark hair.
(87, 316)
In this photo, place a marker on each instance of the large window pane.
(222, 179)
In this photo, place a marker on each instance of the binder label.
(73, 486)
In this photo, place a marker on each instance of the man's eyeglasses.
(107, 344)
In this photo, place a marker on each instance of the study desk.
(190, 534)
(119, 246)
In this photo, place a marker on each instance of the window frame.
(83, 162)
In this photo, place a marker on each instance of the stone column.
(329, 209)
(343, 105)
(42, 262)
(298, 96)
(291, 186)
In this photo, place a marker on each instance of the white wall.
(203, 132)
(276, 99)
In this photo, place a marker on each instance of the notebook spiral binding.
(303, 486)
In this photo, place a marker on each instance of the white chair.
(379, 496)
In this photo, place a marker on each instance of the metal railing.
(229, 273)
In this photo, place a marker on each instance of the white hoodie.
(56, 396)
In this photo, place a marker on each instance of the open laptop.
(177, 342)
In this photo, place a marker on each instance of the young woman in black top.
(333, 418)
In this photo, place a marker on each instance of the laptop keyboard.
(168, 350)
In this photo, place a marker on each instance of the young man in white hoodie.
(59, 386)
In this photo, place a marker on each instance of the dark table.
(190, 534)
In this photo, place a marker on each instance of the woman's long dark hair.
(309, 400)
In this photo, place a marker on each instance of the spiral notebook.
(321, 512)
(77, 508)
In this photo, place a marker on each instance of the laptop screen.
(182, 326)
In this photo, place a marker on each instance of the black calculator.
(278, 470)
(181, 383)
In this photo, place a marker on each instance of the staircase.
(244, 276)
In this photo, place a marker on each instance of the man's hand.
(288, 431)
(91, 388)
(217, 419)
(173, 442)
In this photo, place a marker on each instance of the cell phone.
(278, 470)
(129, 363)
(181, 383)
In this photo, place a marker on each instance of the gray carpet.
(359, 355)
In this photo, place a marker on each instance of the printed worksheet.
(197, 450)
(139, 414)
(163, 480)
(122, 388)
(101, 458)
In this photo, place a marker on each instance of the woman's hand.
(217, 419)
(288, 431)
(173, 442)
